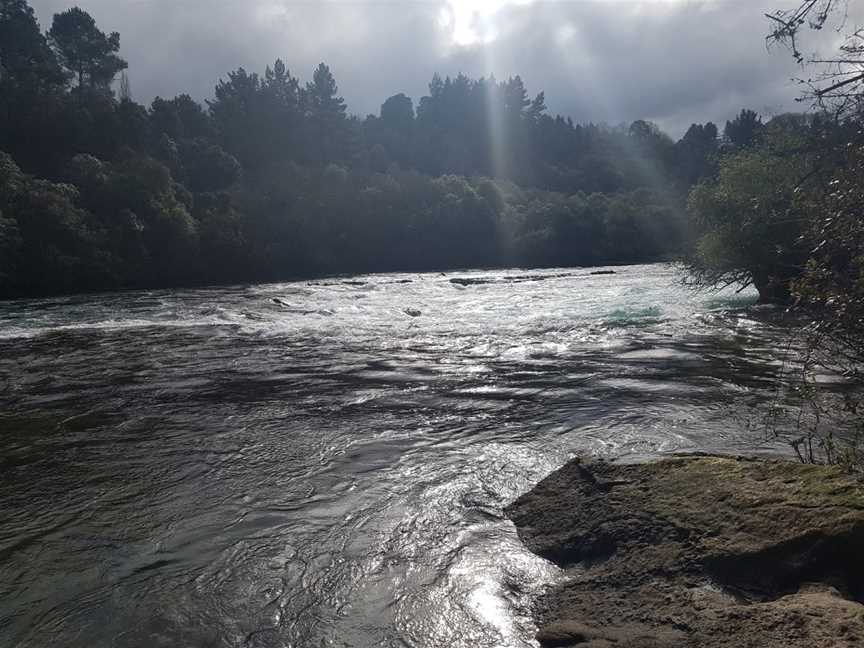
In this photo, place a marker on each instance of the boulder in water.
(467, 281)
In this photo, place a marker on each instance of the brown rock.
(699, 551)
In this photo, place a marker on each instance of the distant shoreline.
(311, 277)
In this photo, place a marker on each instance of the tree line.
(273, 179)
(785, 213)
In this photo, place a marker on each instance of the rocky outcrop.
(699, 552)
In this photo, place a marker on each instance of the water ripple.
(326, 463)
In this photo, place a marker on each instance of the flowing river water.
(325, 463)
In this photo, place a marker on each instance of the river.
(325, 463)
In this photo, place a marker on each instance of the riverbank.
(698, 551)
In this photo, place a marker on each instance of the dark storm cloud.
(375, 49)
(674, 62)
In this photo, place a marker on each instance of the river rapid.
(325, 463)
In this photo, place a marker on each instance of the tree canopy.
(274, 178)
(784, 213)
(87, 54)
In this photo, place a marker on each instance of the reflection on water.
(326, 463)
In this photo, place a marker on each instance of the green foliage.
(53, 244)
(10, 248)
(88, 54)
(753, 219)
(225, 253)
(180, 118)
(26, 61)
(785, 214)
(326, 131)
(273, 179)
(31, 86)
(696, 153)
(829, 289)
(206, 167)
(397, 113)
(832, 282)
(745, 130)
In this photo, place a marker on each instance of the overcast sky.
(670, 61)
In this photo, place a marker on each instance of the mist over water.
(325, 463)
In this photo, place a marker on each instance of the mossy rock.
(673, 550)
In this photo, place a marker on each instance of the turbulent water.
(326, 463)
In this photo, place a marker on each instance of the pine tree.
(88, 54)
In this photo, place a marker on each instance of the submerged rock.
(514, 279)
(699, 552)
(466, 281)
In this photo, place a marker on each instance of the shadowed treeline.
(273, 178)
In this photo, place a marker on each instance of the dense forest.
(786, 213)
(274, 179)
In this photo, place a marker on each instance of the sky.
(673, 62)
